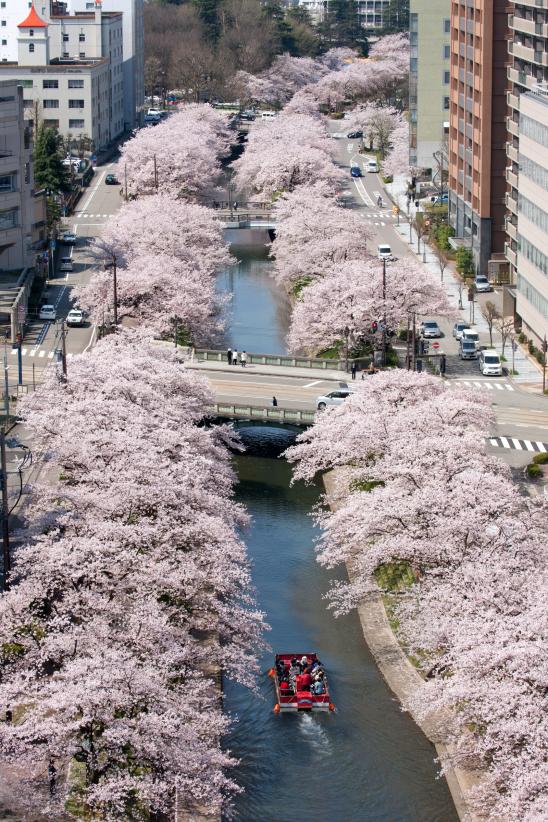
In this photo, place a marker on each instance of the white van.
(384, 251)
(372, 166)
(490, 364)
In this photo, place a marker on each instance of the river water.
(368, 761)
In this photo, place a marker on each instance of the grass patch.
(330, 353)
(301, 283)
(541, 459)
(365, 485)
(394, 576)
(534, 471)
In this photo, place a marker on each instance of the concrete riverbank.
(404, 679)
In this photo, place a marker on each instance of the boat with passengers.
(301, 684)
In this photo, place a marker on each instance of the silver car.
(430, 328)
(458, 328)
(336, 397)
(468, 350)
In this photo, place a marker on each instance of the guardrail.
(208, 354)
(296, 416)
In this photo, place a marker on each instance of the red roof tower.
(32, 21)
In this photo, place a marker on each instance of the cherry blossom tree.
(392, 47)
(396, 161)
(284, 153)
(313, 233)
(417, 489)
(180, 156)
(378, 124)
(351, 296)
(134, 594)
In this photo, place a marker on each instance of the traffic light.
(374, 326)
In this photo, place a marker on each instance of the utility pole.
(19, 359)
(414, 342)
(63, 349)
(125, 182)
(5, 514)
(544, 350)
(383, 360)
(155, 174)
(115, 289)
(6, 384)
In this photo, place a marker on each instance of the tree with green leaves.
(465, 262)
(341, 25)
(395, 16)
(208, 11)
(49, 171)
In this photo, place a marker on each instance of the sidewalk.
(529, 373)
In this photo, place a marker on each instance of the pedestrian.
(243, 359)
(229, 356)
(236, 206)
(52, 777)
(235, 358)
(353, 370)
(274, 402)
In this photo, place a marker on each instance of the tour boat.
(295, 699)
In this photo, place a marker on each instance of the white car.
(483, 284)
(384, 252)
(69, 238)
(471, 335)
(430, 328)
(490, 364)
(75, 318)
(48, 312)
(336, 397)
(372, 166)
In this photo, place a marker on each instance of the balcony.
(511, 177)
(511, 204)
(510, 255)
(512, 231)
(512, 100)
(520, 24)
(512, 153)
(513, 128)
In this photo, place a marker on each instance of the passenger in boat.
(304, 662)
(318, 687)
(285, 686)
(280, 668)
(294, 669)
(314, 664)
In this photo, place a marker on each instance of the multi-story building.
(528, 68)
(477, 130)
(531, 227)
(370, 12)
(429, 82)
(134, 52)
(72, 75)
(16, 181)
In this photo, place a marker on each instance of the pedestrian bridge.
(242, 411)
(283, 360)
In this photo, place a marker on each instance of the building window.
(31, 32)
(76, 123)
(446, 103)
(7, 183)
(26, 83)
(413, 65)
(446, 26)
(446, 77)
(51, 123)
(28, 103)
(50, 83)
(4, 42)
(82, 38)
(533, 254)
(76, 84)
(65, 38)
(532, 296)
(8, 219)
(51, 104)
(3, 23)
(31, 47)
(536, 131)
(446, 52)
(82, 55)
(76, 103)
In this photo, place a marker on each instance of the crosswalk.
(486, 385)
(37, 352)
(86, 214)
(518, 445)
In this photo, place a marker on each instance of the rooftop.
(32, 21)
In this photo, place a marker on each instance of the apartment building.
(72, 74)
(16, 181)
(477, 126)
(133, 29)
(528, 68)
(531, 238)
(429, 83)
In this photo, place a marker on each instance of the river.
(367, 761)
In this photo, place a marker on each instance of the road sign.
(435, 345)
(514, 346)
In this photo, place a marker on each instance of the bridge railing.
(207, 354)
(241, 411)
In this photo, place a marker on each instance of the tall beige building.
(429, 83)
(532, 214)
(16, 182)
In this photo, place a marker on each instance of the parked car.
(458, 328)
(333, 398)
(483, 284)
(355, 171)
(47, 312)
(384, 252)
(65, 264)
(468, 350)
(69, 238)
(430, 328)
(355, 135)
(372, 166)
(111, 180)
(75, 318)
(471, 335)
(490, 363)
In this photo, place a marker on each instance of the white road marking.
(349, 147)
(494, 441)
(41, 353)
(509, 387)
(541, 447)
(50, 355)
(499, 386)
(516, 443)
(310, 384)
(505, 442)
(33, 352)
(91, 339)
(93, 191)
(528, 445)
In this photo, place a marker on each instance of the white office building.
(370, 12)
